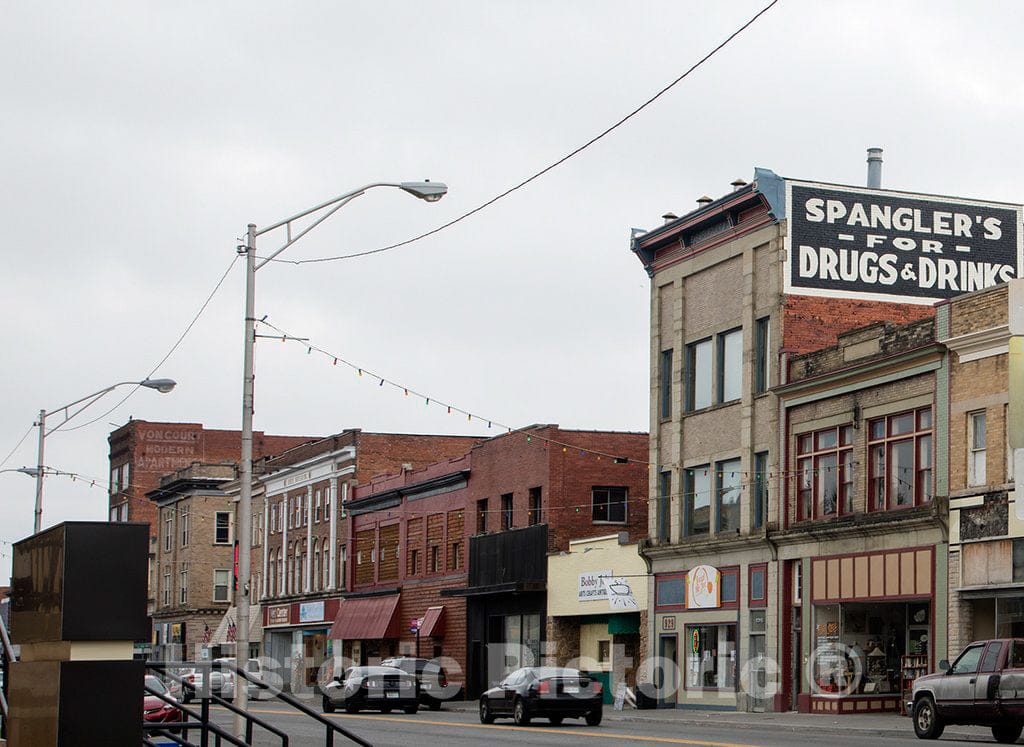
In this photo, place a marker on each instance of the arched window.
(297, 570)
(270, 577)
(293, 556)
(279, 585)
(326, 572)
(315, 580)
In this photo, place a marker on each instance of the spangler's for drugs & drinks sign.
(874, 244)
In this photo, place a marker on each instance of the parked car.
(375, 688)
(253, 668)
(983, 687)
(554, 693)
(194, 677)
(430, 676)
(156, 710)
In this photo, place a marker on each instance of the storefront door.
(667, 682)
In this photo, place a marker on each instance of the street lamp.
(425, 190)
(161, 385)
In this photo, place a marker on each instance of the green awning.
(628, 622)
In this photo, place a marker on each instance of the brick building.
(194, 559)
(410, 538)
(986, 537)
(300, 536)
(142, 452)
(861, 549)
(739, 287)
(531, 493)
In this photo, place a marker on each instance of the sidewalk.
(868, 724)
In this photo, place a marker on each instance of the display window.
(858, 646)
(711, 657)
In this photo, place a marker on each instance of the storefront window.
(670, 591)
(1009, 617)
(866, 639)
(711, 657)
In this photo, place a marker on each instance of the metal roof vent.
(737, 184)
(669, 217)
(875, 168)
(704, 201)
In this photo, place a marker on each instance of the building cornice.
(983, 343)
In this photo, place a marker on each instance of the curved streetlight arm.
(425, 190)
(161, 385)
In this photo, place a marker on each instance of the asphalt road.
(457, 728)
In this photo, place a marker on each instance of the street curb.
(721, 720)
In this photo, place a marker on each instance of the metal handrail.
(331, 726)
(6, 657)
(203, 717)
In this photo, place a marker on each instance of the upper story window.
(697, 502)
(976, 448)
(698, 375)
(222, 528)
(825, 472)
(762, 354)
(664, 516)
(727, 495)
(184, 525)
(609, 504)
(666, 384)
(730, 365)
(317, 508)
(481, 516)
(900, 460)
(168, 529)
(506, 511)
(536, 506)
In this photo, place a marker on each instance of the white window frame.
(226, 584)
(317, 509)
(183, 525)
(976, 456)
(183, 581)
(230, 538)
(727, 368)
(168, 529)
(167, 589)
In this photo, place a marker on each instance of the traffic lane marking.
(529, 729)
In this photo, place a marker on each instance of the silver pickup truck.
(983, 687)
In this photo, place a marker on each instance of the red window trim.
(665, 577)
(756, 602)
(886, 442)
(813, 455)
(722, 573)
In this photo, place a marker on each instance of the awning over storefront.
(433, 623)
(369, 618)
(226, 630)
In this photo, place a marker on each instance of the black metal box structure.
(78, 602)
(81, 581)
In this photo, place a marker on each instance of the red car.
(155, 710)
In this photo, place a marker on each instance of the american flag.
(206, 634)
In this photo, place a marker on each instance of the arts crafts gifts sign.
(894, 246)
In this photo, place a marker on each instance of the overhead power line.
(170, 352)
(559, 162)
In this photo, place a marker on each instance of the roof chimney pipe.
(703, 201)
(874, 168)
(669, 217)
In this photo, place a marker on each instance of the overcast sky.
(139, 139)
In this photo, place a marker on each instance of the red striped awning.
(370, 618)
(433, 623)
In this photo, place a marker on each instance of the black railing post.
(204, 734)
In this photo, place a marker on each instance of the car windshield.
(155, 684)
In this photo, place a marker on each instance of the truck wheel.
(1007, 733)
(927, 724)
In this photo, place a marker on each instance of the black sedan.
(372, 688)
(433, 680)
(549, 692)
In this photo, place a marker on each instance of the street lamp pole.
(425, 190)
(161, 385)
